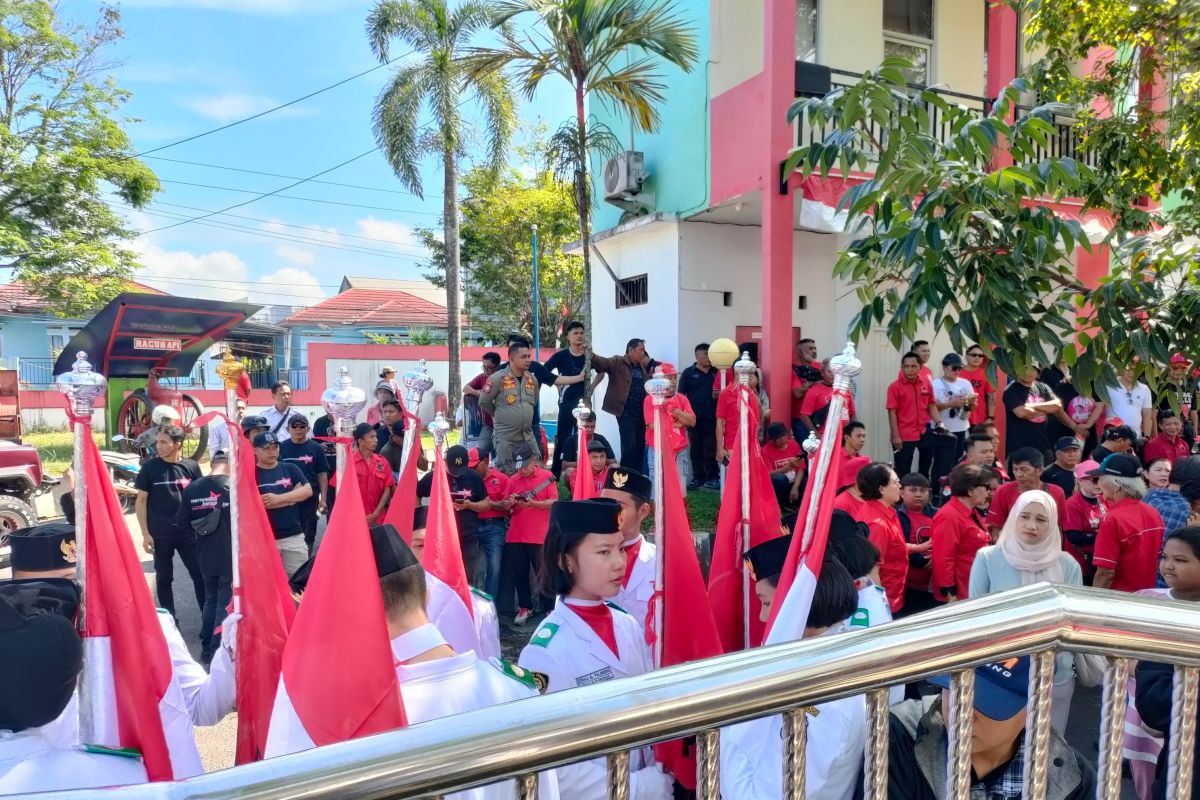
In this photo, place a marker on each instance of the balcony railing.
(1065, 142)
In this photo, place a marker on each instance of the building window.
(908, 33)
(633, 292)
(806, 31)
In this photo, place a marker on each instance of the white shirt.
(634, 597)
(954, 420)
(29, 762)
(273, 416)
(1128, 404)
(218, 438)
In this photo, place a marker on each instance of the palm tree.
(609, 49)
(437, 81)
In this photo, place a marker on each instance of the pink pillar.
(779, 60)
(1002, 43)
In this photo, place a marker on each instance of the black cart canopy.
(136, 333)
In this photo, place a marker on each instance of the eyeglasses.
(974, 355)
(953, 368)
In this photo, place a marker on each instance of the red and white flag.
(584, 487)
(339, 675)
(400, 509)
(130, 695)
(798, 581)
(450, 606)
(689, 630)
(725, 577)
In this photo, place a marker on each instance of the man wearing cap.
(677, 418)
(1117, 438)
(531, 491)
(283, 488)
(955, 398)
(1085, 511)
(918, 742)
(1067, 451)
(1027, 465)
(205, 511)
(436, 681)
(254, 425)
(510, 396)
(1179, 394)
(41, 656)
(384, 393)
(470, 497)
(375, 479)
(390, 412)
(308, 456)
(1129, 539)
(278, 412)
(632, 490)
(1169, 443)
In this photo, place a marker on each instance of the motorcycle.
(123, 470)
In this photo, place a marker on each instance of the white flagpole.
(657, 387)
(230, 371)
(580, 413)
(744, 368)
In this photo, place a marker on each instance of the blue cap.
(1001, 688)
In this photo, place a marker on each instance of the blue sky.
(193, 65)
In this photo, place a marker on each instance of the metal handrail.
(515, 739)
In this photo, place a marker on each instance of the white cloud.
(296, 255)
(230, 106)
(307, 7)
(218, 275)
(396, 234)
(300, 284)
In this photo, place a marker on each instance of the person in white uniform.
(41, 656)
(632, 491)
(586, 640)
(752, 752)
(436, 681)
(48, 551)
(849, 544)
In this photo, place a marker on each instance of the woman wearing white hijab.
(1030, 550)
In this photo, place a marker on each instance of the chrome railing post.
(1183, 733)
(875, 760)
(960, 719)
(795, 746)
(708, 765)
(618, 775)
(527, 786)
(1112, 728)
(1037, 724)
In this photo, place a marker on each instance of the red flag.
(443, 555)
(584, 487)
(267, 611)
(689, 628)
(339, 675)
(798, 581)
(725, 586)
(126, 653)
(400, 509)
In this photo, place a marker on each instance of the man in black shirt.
(390, 413)
(567, 363)
(1066, 457)
(470, 497)
(570, 453)
(393, 450)
(1027, 404)
(698, 384)
(205, 511)
(160, 484)
(282, 488)
(309, 457)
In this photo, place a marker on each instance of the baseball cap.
(385, 385)
(667, 369)
(457, 460)
(1068, 443)
(952, 360)
(254, 421)
(1119, 432)
(522, 454)
(850, 469)
(1084, 469)
(1119, 465)
(265, 439)
(297, 420)
(1001, 688)
(1179, 358)
(1113, 422)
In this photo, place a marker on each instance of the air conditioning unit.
(624, 175)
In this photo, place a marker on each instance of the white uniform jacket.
(873, 611)
(446, 611)
(29, 762)
(447, 686)
(570, 654)
(487, 624)
(635, 595)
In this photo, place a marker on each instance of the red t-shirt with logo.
(1128, 542)
(496, 483)
(674, 433)
(1080, 526)
(779, 457)
(983, 388)
(727, 409)
(910, 400)
(817, 400)
(529, 525)
(920, 529)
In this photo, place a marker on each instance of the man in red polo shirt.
(729, 416)
(1027, 465)
(493, 521)
(910, 408)
(375, 478)
(1130, 535)
(816, 402)
(1169, 443)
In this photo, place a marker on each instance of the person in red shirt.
(803, 379)
(375, 478)
(677, 416)
(598, 461)
(493, 521)
(976, 373)
(958, 532)
(916, 520)
(1085, 512)
(1169, 443)
(1130, 536)
(531, 492)
(910, 409)
(880, 489)
(786, 463)
(728, 416)
(816, 401)
(1027, 465)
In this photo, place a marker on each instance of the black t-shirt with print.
(164, 482)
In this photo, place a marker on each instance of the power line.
(269, 110)
(292, 177)
(294, 197)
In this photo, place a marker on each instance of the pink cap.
(1084, 467)
(1113, 422)
(1179, 358)
(667, 369)
(473, 457)
(850, 469)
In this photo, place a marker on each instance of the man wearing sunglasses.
(975, 371)
(1130, 399)
(956, 399)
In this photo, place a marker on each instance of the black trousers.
(517, 563)
(308, 523)
(902, 459)
(566, 428)
(633, 442)
(164, 570)
(703, 446)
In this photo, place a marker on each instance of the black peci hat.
(766, 560)
(41, 655)
(635, 483)
(575, 519)
(42, 548)
(391, 553)
(420, 518)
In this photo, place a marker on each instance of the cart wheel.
(195, 439)
(133, 419)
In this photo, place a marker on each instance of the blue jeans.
(491, 541)
(218, 591)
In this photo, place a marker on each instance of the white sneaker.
(522, 616)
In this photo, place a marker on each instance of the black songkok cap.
(50, 546)
(391, 552)
(766, 560)
(577, 518)
(41, 654)
(627, 480)
(420, 518)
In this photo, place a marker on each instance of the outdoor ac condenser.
(624, 175)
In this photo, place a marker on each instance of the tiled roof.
(375, 308)
(16, 297)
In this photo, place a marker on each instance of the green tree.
(497, 253)
(437, 81)
(62, 147)
(607, 50)
(948, 233)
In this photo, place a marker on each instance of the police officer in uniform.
(632, 490)
(41, 656)
(511, 396)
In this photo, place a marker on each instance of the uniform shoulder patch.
(861, 619)
(534, 680)
(483, 594)
(611, 604)
(544, 634)
(119, 752)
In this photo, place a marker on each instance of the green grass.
(56, 448)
